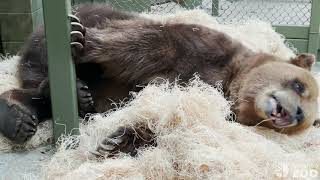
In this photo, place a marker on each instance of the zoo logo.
(284, 171)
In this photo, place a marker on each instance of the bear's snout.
(283, 113)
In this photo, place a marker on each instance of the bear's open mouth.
(280, 117)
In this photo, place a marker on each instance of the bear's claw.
(77, 34)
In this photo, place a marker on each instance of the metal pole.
(313, 45)
(215, 7)
(61, 68)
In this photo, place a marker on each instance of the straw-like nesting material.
(194, 142)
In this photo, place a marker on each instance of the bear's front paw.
(85, 100)
(127, 140)
(16, 123)
(77, 34)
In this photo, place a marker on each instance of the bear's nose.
(299, 114)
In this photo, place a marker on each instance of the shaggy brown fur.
(122, 50)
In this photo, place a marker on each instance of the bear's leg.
(20, 112)
(127, 140)
(22, 109)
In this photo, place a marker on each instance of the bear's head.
(278, 94)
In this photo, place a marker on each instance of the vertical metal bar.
(99, 1)
(215, 7)
(82, 1)
(190, 4)
(1, 47)
(314, 32)
(61, 68)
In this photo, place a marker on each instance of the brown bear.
(116, 51)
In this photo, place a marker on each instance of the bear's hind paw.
(126, 140)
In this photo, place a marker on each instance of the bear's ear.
(304, 60)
